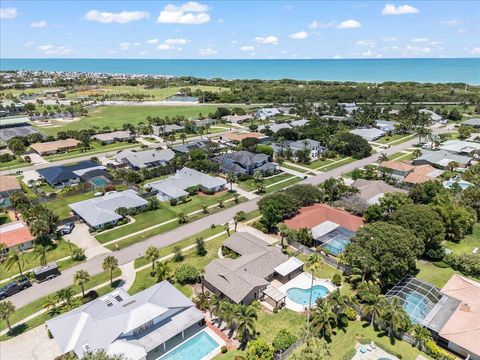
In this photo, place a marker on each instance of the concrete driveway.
(81, 237)
(31, 345)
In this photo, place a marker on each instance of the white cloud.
(44, 47)
(142, 53)
(152, 41)
(124, 45)
(207, 51)
(221, 21)
(349, 24)
(38, 24)
(365, 43)
(451, 22)
(420, 40)
(298, 35)
(389, 38)
(8, 13)
(475, 51)
(233, 42)
(338, 56)
(369, 53)
(30, 43)
(164, 47)
(190, 13)
(418, 49)
(49, 49)
(120, 18)
(266, 40)
(247, 48)
(391, 9)
(176, 41)
(320, 25)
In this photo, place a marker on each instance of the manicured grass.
(318, 163)
(401, 156)
(252, 215)
(396, 138)
(37, 305)
(15, 163)
(295, 168)
(249, 186)
(60, 204)
(30, 259)
(96, 148)
(164, 213)
(141, 261)
(116, 116)
(433, 274)
(282, 185)
(466, 245)
(338, 164)
(143, 279)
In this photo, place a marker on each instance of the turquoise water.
(302, 296)
(416, 307)
(336, 245)
(194, 348)
(99, 181)
(370, 70)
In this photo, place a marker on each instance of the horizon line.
(242, 59)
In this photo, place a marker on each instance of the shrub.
(468, 265)
(350, 313)
(436, 352)
(337, 279)
(177, 254)
(173, 202)
(283, 340)
(187, 274)
(275, 310)
(224, 349)
(260, 226)
(213, 226)
(78, 254)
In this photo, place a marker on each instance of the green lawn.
(96, 148)
(116, 116)
(466, 245)
(249, 186)
(15, 163)
(291, 181)
(164, 213)
(30, 259)
(60, 204)
(293, 167)
(338, 164)
(318, 163)
(396, 138)
(433, 274)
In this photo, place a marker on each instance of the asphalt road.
(125, 255)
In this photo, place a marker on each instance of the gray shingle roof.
(102, 210)
(142, 159)
(441, 157)
(472, 122)
(369, 134)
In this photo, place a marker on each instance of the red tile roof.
(316, 214)
(396, 165)
(15, 233)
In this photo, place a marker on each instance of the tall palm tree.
(14, 258)
(239, 216)
(226, 226)
(338, 301)
(259, 182)
(110, 264)
(324, 320)
(163, 271)
(231, 179)
(65, 296)
(80, 278)
(228, 312)
(395, 317)
(215, 304)
(182, 218)
(314, 263)
(41, 254)
(383, 157)
(202, 301)
(421, 335)
(246, 317)
(50, 304)
(283, 231)
(152, 254)
(7, 309)
(375, 309)
(183, 137)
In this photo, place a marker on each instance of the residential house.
(187, 147)
(474, 137)
(8, 185)
(331, 228)
(371, 191)
(53, 147)
(475, 122)
(16, 235)
(238, 137)
(160, 130)
(433, 116)
(421, 174)
(144, 159)
(349, 107)
(237, 119)
(266, 113)
(275, 127)
(334, 117)
(397, 169)
(138, 327)
(101, 211)
(298, 123)
(174, 187)
(315, 148)
(60, 176)
(247, 277)
(111, 137)
(369, 134)
(441, 159)
(245, 163)
(460, 147)
(384, 125)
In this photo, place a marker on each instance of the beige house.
(53, 147)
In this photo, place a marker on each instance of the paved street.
(94, 265)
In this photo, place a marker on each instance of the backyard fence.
(284, 355)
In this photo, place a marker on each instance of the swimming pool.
(195, 348)
(99, 181)
(416, 307)
(302, 296)
(336, 245)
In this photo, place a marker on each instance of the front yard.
(60, 204)
(96, 148)
(248, 185)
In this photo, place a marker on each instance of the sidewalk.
(293, 172)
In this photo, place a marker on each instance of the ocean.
(465, 70)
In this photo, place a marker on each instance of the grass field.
(249, 186)
(15, 163)
(96, 148)
(466, 245)
(116, 116)
(292, 180)
(395, 138)
(60, 204)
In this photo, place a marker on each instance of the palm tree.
(383, 157)
(283, 231)
(163, 271)
(50, 304)
(202, 301)
(39, 227)
(314, 263)
(205, 209)
(182, 218)
(421, 335)
(452, 165)
(65, 296)
(227, 313)
(231, 179)
(215, 305)
(246, 317)
(110, 263)
(153, 254)
(80, 278)
(259, 182)
(41, 253)
(395, 317)
(14, 258)
(375, 309)
(324, 320)
(172, 138)
(226, 226)
(7, 309)
(338, 301)
(183, 137)
(239, 216)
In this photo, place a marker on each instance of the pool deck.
(302, 281)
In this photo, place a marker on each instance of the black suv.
(15, 286)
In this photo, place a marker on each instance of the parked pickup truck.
(14, 286)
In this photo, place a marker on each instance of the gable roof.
(56, 174)
(472, 122)
(15, 233)
(101, 210)
(442, 157)
(54, 145)
(275, 127)
(316, 214)
(185, 148)
(246, 158)
(458, 146)
(368, 134)
(422, 173)
(240, 136)
(433, 116)
(396, 165)
(9, 183)
(143, 158)
(114, 135)
(372, 190)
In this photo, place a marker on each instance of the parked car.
(14, 286)
(67, 228)
(46, 272)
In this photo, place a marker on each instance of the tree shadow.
(17, 330)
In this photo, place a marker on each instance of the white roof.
(83, 171)
(323, 229)
(288, 266)
(458, 146)
(128, 350)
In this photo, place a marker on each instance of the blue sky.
(239, 29)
